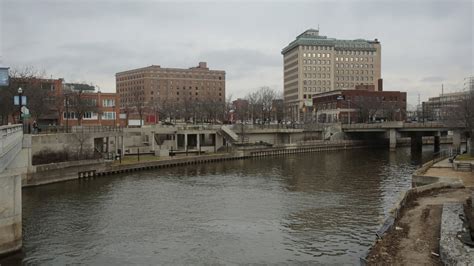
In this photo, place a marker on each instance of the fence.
(73, 129)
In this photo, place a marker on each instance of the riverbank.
(58, 172)
(414, 236)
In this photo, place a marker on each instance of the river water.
(313, 207)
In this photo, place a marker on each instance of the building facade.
(437, 108)
(169, 91)
(315, 64)
(42, 98)
(101, 109)
(359, 106)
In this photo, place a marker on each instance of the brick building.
(103, 109)
(42, 95)
(168, 91)
(314, 64)
(359, 105)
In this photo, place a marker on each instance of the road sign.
(25, 110)
(16, 100)
(4, 79)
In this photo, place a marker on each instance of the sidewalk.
(443, 169)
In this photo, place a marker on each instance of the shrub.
(47, 156)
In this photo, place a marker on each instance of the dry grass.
(464, 157)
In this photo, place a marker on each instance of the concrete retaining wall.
(10, 213)
(57, 172)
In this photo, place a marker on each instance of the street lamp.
(20, 93)
(67, 112)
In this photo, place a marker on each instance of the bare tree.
(138, 105)
(37, 92)
(80, 104)
(367, 107)
(266, 97)
(253, 103)
(460, 114)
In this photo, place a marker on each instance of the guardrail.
(393, 125)
(10, 143)
(75, 129)
(238, 127)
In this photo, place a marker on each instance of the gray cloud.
(432, 79)
(422, 41)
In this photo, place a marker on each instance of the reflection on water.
(319, 207)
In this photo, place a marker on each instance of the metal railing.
(74, 129)
(10, 135)
(394, 125)
(238, 127)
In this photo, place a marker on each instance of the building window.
(110, 102)
(108, 115)
(69, 115)
(90, 116)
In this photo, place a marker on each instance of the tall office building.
(154, 87)
(315, 64)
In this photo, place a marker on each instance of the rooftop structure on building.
(79, 87)
(314, 64)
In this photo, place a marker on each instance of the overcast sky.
(424, 43)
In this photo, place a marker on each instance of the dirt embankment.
(414, 240)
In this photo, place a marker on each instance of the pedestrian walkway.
(442, 172)
(443, 164)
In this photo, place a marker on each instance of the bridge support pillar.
(436, 142)
(198, 143)
(185, 142)
(153, 141)
(175, 141)
(393, 139)
(416, 143)
(10, 214)
(457, 140)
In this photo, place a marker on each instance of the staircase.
(464, 167)
(230, 134)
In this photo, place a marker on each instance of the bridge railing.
(73, 129)
(11, 137)
(396, 124)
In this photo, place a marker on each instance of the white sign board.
(4, 79)
(16, 100)
(25, 110)
(135, 122)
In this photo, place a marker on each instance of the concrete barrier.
(451, 250)
(10, 213)
(64, 171)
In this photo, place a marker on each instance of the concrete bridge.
(11, 170)
(394, 130)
